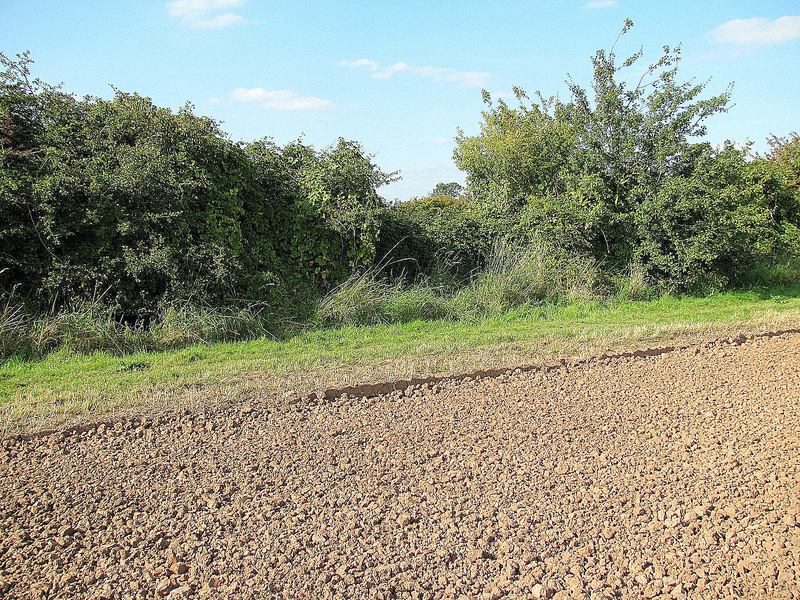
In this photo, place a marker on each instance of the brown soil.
(668, 476)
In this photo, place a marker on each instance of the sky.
(401, 77)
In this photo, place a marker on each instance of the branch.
(625, 28)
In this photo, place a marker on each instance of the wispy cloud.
(758, 31)
(206, 14)
(469, 78)
(601, 4)
(462, 78)
(279, 99)
(388, 72)
(361, 62)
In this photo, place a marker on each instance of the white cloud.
(463, 78)
(361, 62)
(469, 78)
(440, 141)
(389, 71)
(601, 4)
(758, 31)
(224, 20)
(201, 13)
(279, 99)
(431, 72)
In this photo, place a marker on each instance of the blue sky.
(400, 76)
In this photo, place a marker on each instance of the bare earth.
(669, 476)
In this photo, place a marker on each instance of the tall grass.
(515, 275)
(90, 327)
(533, 274)
(13, 328)
(515, 278)
(366, 298)
(632, 284)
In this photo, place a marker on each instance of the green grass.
(90, 327)
(514, 276)
(65, 386)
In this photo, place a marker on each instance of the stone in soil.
(672, 476)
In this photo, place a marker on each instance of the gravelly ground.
(671, 476)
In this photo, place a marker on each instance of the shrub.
(437, 237)
(119, 196)
(326, 209)
(614, 174)
(153, 207)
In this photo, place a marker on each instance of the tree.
(452, 190)
(617, 172)
(628, 140)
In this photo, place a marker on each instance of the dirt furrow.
(670, 476)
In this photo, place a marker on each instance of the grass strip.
(67, 388)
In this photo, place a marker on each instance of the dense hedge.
(138, 206)
(617, 176)
(436, 236)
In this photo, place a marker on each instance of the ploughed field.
(668, 476)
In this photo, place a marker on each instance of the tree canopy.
(620, 171)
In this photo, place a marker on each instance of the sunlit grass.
(65, 386)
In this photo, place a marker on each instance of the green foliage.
(779, 176)
(21, 125)
(780, 172)
(613, 172)
(328, 208)
(519, 152)
(141, 208)
(784, 162)
(117, 210)
(124, 201)
(708, 229)
(438, 236)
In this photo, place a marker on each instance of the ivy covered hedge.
(122, 201)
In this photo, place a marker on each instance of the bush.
(616, 176)
(436, 237)
(714, 224)
(119, 198)
(145, 207)
(326, 210)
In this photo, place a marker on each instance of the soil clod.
(659, 474)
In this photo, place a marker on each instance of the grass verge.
(65, 387)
